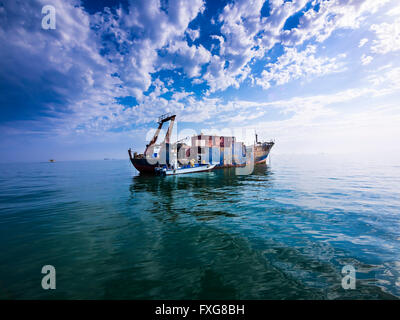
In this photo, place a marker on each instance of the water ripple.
(284, 232)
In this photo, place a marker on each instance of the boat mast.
(167, 137)
(161, 120)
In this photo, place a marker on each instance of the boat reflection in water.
(200, 195)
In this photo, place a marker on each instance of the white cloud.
(388, 77)
(248, 36)
(365, 60)
(69, 59)
(66, 63)
(362, 42)
(240, 23)
(388, 37)
(305, 110)
(272, 26)
(318, 124)
(157, 29)
(331, 16)
(60, 72)
(221, 43)
(220, 77)
(190, 58)
(197, 81)
(394, 11)
(295, 65)
(193, 34)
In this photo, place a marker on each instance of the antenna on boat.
(256, 137)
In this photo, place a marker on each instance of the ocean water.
(284, 232)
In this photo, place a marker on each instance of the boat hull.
(261, 152)
(143, 166)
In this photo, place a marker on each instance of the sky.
(319, 76)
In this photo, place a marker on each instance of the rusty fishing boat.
(206, 152)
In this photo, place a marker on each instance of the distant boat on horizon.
(52, 160)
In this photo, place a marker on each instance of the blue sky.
(316, 76)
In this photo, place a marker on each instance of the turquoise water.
(284, 232)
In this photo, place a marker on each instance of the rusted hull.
(144, 167)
